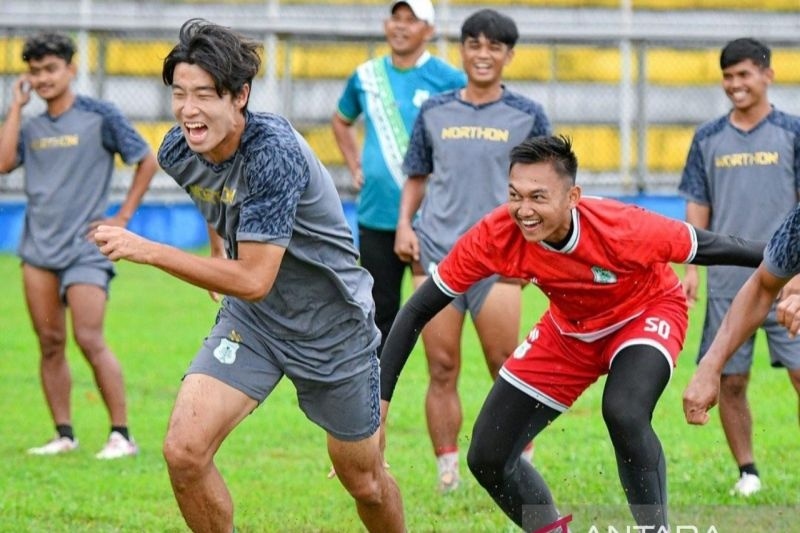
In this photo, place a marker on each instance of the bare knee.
(443, 370)
(367, 487)
(185, 461)
(734, 385)
(91, 342)
(52, 342)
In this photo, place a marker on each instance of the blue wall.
(179, 224)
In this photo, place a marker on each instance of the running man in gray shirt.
(457, 162)
(296, 302)
(748, 157)
(68, 154)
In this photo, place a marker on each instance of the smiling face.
(541, 202)
(746, 83)
(212, 124)
(50, 76)
(405, 33)
(484, 60)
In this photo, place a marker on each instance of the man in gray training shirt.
(748, 157)
(296, 302)
(457, 166)
(68, 154)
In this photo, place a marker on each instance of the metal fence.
(628, 84)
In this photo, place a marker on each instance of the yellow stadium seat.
(586, 64)
(669, 66)
(136, 58)
(11, 55)
(786, 64)
(153, 132)
(598, 147)
(327, 60)
(667, 147)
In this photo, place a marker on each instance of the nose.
(188, 106)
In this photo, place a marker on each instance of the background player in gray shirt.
(296, 304)
(457, 161)
(68, 153)
(750, 307)
(750, 156)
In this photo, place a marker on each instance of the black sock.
(749, 468)
(122, 430)
(65, 430)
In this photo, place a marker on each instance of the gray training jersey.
(749, 179)
(69, 161)
(465, 147)
(274, 190)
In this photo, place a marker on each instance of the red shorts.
(555, 368)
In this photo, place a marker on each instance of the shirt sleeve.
(119, 136)
(694, 181)
(276, 176)
(650, 237)
(541, 124)
(472, 259)
(418, 160)
(349, 106)
(782, 255)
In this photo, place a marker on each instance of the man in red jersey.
(616, 308)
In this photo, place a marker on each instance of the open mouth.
(196, 131)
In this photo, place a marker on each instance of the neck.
(407, 60)
(746, 119)
(60, 104)
(482, 95)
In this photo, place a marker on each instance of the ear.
(769, 73)
(240, 101)
(429, 31)
(574, 195)
(509, 57)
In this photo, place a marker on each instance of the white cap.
(422, 9)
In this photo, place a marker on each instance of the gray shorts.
(345, 402)
(87, 271)
(472, 300)
(783, 351)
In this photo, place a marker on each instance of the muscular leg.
(508, 420)
(635, 382)
(206, 411)
(47, 316)
(359, 467)
(442, 340)
(87, 304)
(497, 324)
(734, 412)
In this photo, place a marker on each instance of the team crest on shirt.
(226, 351)
(603, 276)
(420, 95)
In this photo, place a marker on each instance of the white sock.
(447, 462)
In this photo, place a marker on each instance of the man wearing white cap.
(388, 91)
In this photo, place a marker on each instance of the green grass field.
(275, 462)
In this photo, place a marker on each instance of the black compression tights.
(509, 419)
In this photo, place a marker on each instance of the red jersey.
(615, 263)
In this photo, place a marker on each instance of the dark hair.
(493, 25)
(553, 149)
(740, 50)
(48, 44)
(231, 59)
